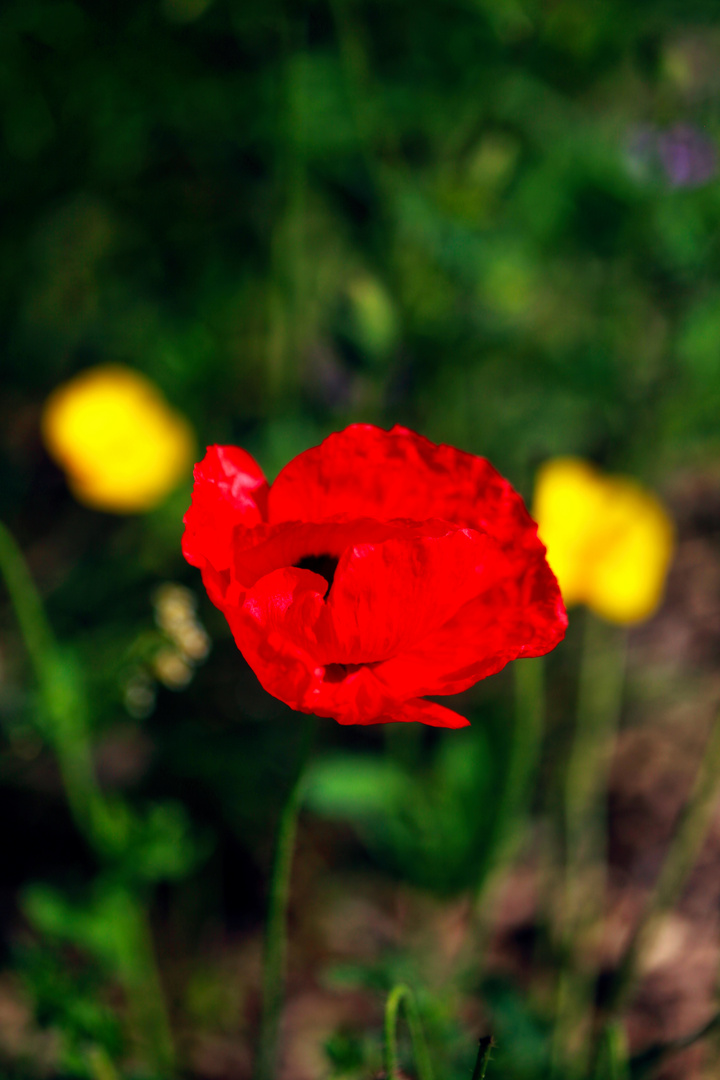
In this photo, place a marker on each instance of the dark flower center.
(335, 673)
(324, 565)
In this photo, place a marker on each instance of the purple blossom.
(688, 156)
(681, 155)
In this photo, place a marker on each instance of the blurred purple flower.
(681, 155)
(689, 157)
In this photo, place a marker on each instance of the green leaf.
(355, 788)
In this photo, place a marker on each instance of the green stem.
(100, 1064)
(64, 725)
(599, 702)
(527, 735)
(29, 612)
(64, 720)
(485, 1045)
(613, 1061)
(398, 994)
(139, 974)
(682, 855)
(358, 79)
(526, 745)
(275, 953)
(287, 312)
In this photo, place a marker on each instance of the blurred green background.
(495, 221)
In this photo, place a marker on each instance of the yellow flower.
(609, 541)
(122, 447)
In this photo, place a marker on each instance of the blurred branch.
(398, 994)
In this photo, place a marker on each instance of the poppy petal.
(423, 712)
(230, 490)
(521, 616)
(360, 660)
(365, 471)
(387, 597)
(265, 548)
(276, 631)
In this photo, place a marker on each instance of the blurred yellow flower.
(609, 541)
(122, 447)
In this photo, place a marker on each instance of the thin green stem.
(275, 952)
(527, 736)
(29, 611)
(599, 702)
(485, 1045)
(358, 77)
(64, 711)
(100, 1064)
(64, 725)
(526, 744)
(613, 1062)
(139, 974)
(682, 855)
(287, 314)
(399, 994)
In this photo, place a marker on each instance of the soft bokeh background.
(495, 221)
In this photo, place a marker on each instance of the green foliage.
(68, 994)
(346, 1054)
(216, 193)
(521, 1034)
(433, 827)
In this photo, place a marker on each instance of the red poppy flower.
(377, 569)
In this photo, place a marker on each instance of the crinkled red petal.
(521, 616)
(230, 490)
(276, 630)
(365, 471)
(407, 616)
(388, 597)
